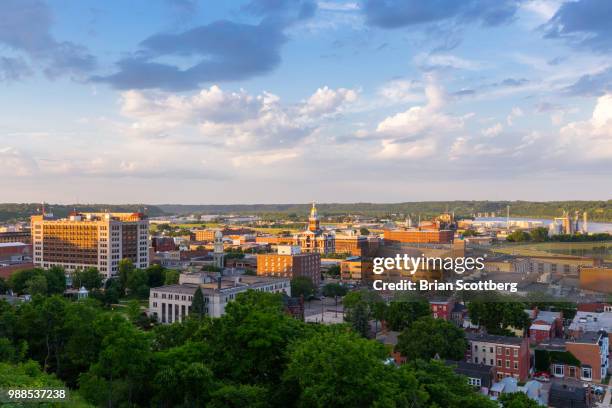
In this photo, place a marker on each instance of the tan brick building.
(419, 236)
(290, 263)
(596, 279)
(85, 240)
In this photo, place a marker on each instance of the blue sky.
(263, 101)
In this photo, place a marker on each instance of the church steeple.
(313, 220)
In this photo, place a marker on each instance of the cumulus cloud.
(26, 28)
(493, 131)
(416, 131)
(516, 112)
(402, 13)
(236, 120)
(328, 101)
(590, 139)
(223, 50)
(419, 120)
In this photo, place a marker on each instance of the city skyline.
(279, 102)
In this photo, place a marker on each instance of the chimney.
(219, 282)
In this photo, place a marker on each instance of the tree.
(402, 312)
(123, 365)
(302, 286)
(90, 278)
(518, 400)
(211, 268)
(126, 267)
(334, 271)
(359, 318)
(171, 277)
(539, 234)
(112, 292)
(469, 233)
(497, 312)
(445, 388)
(239, 396)
(518, 236)
(155, 274)
(138, 283)
(37, 285)
(182, 379)
(364, 231)
(3, 286)
(340, 369)
(250, 341)
(56, 280)
(428, 337)
(198, 308)
(334, 290)
(17, 280)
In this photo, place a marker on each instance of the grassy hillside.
(598, 210)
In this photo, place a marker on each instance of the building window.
(507, 351)
(499, 350)
(474, 382)
(558, 370)
(507, 363)
(476, 360)
(587, 373)
(516, 352)
(499, 363)
(475, 348)
(516, 365)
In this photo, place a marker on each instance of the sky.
(280, 101)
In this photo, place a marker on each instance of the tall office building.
(85, 240)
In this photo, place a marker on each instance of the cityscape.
(306, 203)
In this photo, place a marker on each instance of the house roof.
(592, 322)
(494, 339)
(470, 369)
(545, 327)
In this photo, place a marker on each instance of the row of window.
(499, 350)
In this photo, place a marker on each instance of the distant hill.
(598, 210)
(15, 211)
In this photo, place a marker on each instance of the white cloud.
(401, 90)
(493, 131)
(326, 101)
(15, 163)
(590, 139)
(445, 61)
(416, 149)
(236, 120)
(515, 113)
(418, 120)
(332, 6)
(416, 132)
(544, 9)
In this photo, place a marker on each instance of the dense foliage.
(256, 355)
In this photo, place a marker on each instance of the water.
(593, 227)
